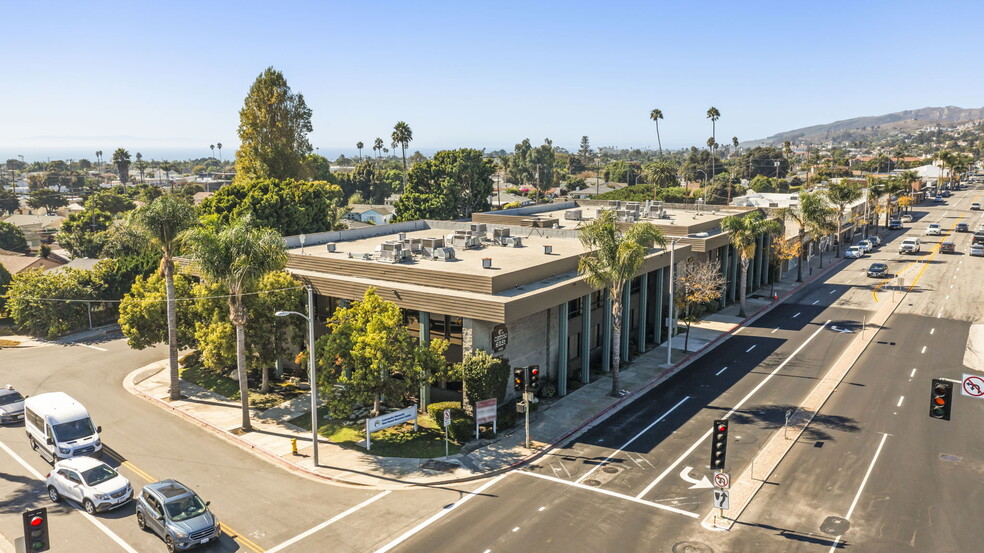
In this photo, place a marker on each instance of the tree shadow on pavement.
(772, 417)
(805, 537)
(28, 494)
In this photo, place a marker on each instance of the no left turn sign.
(973, 385)
(722, 480)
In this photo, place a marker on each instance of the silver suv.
(175, 513)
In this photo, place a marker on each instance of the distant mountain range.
(908, 120)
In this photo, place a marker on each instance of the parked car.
(976, 206)
(854, 252)
(948, 247)
(962, 227)
(934, 229)
(175, 513)
(878, 270)
(894, 224)
(906, 218)
(977, 250)
(866, 245)
(90, 482)
(977, 238)
(938, 199)
(910, 245)
(945, 193)
(11, 405)
(874, 239)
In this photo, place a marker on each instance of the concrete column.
(643, 311)
(735, 262)
(762, 255)
(586, 338)
(606, 334)
(725, 266)
(660, 294)
(768, 259)
(563, 340)
(424, 325)
(626, 321)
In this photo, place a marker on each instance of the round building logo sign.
(500, 337)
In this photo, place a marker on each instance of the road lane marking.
(721, 371)
(913, 373)
(626, 444)
(931, 331)
(751, 348)
(774, 331)
(832, 291)
(731, 412)
(328, 522)
(816, 302)
(93, 347)
(437, 516)
(608, 492)
(864, 481)
(516, 529)
(899, 404)
(923, 350)
(112, 535)
(796, 315)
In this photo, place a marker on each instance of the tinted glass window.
(11, 397)
(98, 475)
(68, 431)
(185, 508)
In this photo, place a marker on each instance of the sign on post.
(485, 412)
(722, 480)
(972, 385)
(447, 423)
(721, 499)
(390, 419)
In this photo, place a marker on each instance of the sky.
(168, 78)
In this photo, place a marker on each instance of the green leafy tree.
(743, 230)
(762, 160)
(110, 202)
(31, 299)
(661, 174)
(316, 168)
(12, 238)
(698, 284)
(402, 136)
(48, 199)
(5, 280)
(269, 337)
(84, 233)
(121, 159)
(144, 312)
(369, 355)
(162, 224)
(452, 185)
(613, 259)
(841, 194)
(290, 207)
(273, 127)
(483, 377)
(8, 201)
(238, 256)
(656, 115)
(808, 208)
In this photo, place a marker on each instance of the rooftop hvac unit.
(331, 247)
(393, 252)
(573, 215)
(614, 203)
(366, 256)
(412, 245)
(479, 230)
(443, 254)
(633, 206)
(500, 232)
(464, 241)
(428, 245)
(512, 241)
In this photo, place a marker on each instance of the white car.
(934, 229)
(977, 250)
(90, 482)
(854, 252)
(866, 245)
(906, 218)
(975, 206)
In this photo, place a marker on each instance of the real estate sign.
(390, 419)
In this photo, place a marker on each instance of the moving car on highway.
(934, 229)
(878, 270)
(910, 245)
(854, 252)
(963, 227)
(906, 218)
(948, 247)
(977, 250)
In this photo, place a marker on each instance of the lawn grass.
(396, 441)
(229, 388)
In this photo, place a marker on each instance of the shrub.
(436, 411)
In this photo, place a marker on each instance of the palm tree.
(613, 261)
(841, 194)
(212, 146)
(121, 159)
(661, 174)
(888, 187)
(803, 213)
(656, 115)
(402, 135)
(743, 230)
(713, 114)
(734, 142)
(359, 145)
(140, 165)
(162, 223)
(378, 146)
(219, 146)
(237, 257)
(167, 167)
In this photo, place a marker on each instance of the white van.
(59, 427)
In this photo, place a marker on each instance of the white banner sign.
(391, 419)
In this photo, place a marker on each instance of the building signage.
(391, 419)
(500, 337)
(485, 412)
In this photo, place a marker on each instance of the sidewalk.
(550, 426)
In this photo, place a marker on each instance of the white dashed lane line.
(721, 371)
(931, 331)
(816, 302)
(912, 374)
(899, 404)
(796, 315)
(774, 331)
(923, 350)
(749, 349)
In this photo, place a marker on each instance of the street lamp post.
(311, 374)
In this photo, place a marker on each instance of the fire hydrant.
(293, 446)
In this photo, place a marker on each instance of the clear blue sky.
(172, 75)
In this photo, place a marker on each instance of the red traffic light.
(722, 427)
(37, 521)
(534, 372)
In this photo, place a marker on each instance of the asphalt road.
(873, 472)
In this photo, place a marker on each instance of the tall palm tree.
(237, 256)
(657, 114)
(743, 230)
(378, 146)
(219, 146)
(212, 146)
(167, 167)
(841, 194)
(162, 223)
(140, 165)
(809, 205)
(888, 188)
(944, 157)
(359, 145)
(734, 142)
(713, 114)
(121, 159)
(614, 258)
(402, 135)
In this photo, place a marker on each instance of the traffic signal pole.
(526, 399)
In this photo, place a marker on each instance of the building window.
(597, 300)
(636, 282)
(574, 308)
